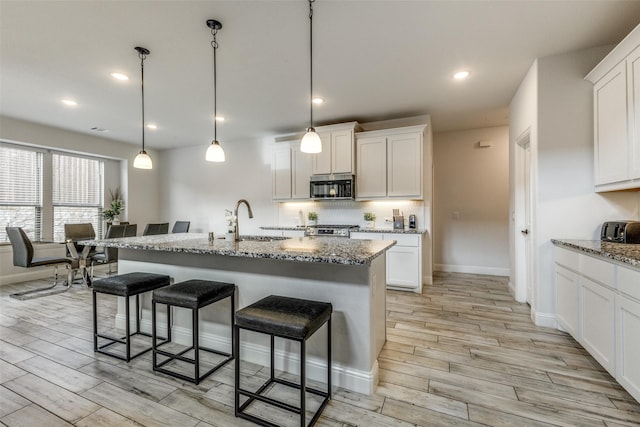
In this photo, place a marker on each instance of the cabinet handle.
(525, 231)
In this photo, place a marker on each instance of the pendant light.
(142, 160)
(215, 153)
(311, 142)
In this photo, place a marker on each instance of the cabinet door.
(302, 167)
(281, 174)
(403, 267)
(404, 165)
(597, 312)
(371, 170)
(567, 299)
(342, 151)
(633, 80)
(610, 126)
(628, 345)
(293, 233)
(322, 160)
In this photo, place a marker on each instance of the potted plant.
(230, 218)
(370, 218)
(313, 218)
(116, 206)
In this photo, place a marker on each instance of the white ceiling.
(373, 60)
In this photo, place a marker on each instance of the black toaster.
(621, 231)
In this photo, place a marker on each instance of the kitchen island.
(350, 274)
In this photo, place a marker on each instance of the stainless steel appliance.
(620, 231)
(332, 187)
(412, 221)
(330, 230)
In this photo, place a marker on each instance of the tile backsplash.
(351, 212)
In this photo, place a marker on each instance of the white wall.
(566, 205)
(471, 201)
(199, 191)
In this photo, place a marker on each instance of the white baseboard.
(351, 379)
(545, 319)
(472, 269)
(36, 273)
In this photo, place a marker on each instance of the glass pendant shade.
(311, 142)
(215, 153)
(142, 161)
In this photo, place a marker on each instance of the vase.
(370, 224)
(115, 220)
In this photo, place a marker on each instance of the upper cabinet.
(391, 163)
(290, 172)
(616, 114)
(337, 154)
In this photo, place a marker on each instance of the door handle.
(525, 231)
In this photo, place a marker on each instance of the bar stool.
(289, 318)
(124, 285)
(194, 295)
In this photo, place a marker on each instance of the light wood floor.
(462, 353)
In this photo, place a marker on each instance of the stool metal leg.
(303, 383)
(127, 338)
(153, 335)
(196, 352)
(95, 323)
(138, 313)
(236, 353)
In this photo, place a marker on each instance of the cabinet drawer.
(629, 282)
(566, 258)
(367, 236)
(403, 239)
(597, 270)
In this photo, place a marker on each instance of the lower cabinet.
(598, 303)
(628, 344)
(404, 259)
(567, 299)
(598, 323)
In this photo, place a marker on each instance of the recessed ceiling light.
(461, 75)
(99, 129)
(119, 76)
(318, 100)
(69, 102)
(219, 119)
(152, 126)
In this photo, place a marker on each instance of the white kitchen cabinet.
(371, 170)
(337, 154)
(404, 259)
(281, 174)
(300, 173)
(598, 323)
(628, 344)
(390, 163)
(567, 299)
(616, 97)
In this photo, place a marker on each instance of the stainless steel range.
(341, 230)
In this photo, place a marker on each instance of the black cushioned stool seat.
(192, 294)
(124, 285)
(290, 318)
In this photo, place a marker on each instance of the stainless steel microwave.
(332, 187)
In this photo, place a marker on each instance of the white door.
(526, 231)
(522, 219)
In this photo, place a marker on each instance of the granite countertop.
(359, 230)
(329, 250)
(620, 252)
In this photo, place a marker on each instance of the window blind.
(77, 188)
(20, 190)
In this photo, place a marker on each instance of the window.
(77, 192)
(20, 191)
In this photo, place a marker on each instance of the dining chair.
(181, 227)
(23, 256)
(131, 230)
(108, 255)
(157, 228)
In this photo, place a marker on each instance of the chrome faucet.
(235, 213)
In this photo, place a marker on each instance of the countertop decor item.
(370, 218)
(311, 142)
(142, 160)
(313, 218)
(215, 153)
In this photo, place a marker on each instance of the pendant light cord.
(214, 45)
(142, 57)
(311, 63)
